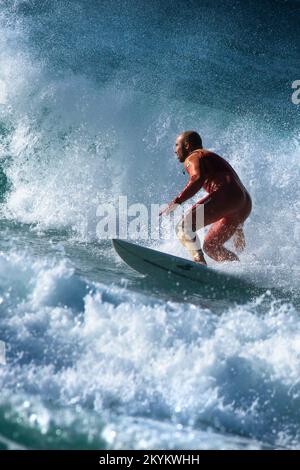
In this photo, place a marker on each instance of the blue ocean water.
(92, 97)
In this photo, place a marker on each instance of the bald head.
(193, 139)
(186, 143)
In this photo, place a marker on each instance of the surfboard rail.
(165, 269)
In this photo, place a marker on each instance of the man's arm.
(195, 182)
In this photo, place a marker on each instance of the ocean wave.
(73, 343)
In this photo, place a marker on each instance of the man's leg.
(219, 233)
(211, 209)
(192, 243)
(238, 239)
(186, 231)
(226, 211)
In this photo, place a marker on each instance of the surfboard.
(165, 268)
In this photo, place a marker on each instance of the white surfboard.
(165, 268)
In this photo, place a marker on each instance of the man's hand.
(239, 239)
(170, 208)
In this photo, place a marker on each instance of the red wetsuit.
(227, 204)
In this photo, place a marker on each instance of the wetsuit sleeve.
(195, 183)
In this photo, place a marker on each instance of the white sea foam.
(73, 142)
(106, 349)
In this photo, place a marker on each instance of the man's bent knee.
(187, 237)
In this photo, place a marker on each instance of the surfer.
(225, 208)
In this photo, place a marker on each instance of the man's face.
(180, 149)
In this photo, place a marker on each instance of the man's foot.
(199, 258)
